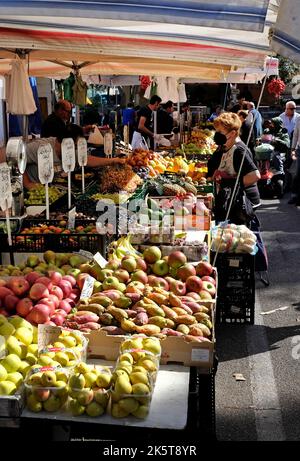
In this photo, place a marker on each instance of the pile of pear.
(19, 351)
(89, 390)
(66, 352)
(134, 377)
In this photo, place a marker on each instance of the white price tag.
(234, 263)
(200, 355)
(68, 155)
(88, 287)
(108, 144)
(5, 187)
(100, 260)
(45, 163)
(82, 151)
(71, 218)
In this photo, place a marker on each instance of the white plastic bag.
(138, 142)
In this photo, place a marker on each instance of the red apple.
(4, 291)
(10, 302)
(209, 279)
(70, 279)
(186, 271)
(38, 291)
(205, 295)
(122, 275)
(61, 312)
(178, 288)
(2, 283)
(141, 264)
(57, 291)
(55, 300)
(18, 285)
(73, 296)
(64, 305)
(176, 259)
(57, 319)
(71, 302)
(50, 303)
(32, 277)
(209, 287)
(55, 277)
(194, 283)
(45, 281)
(49, 322)
(39, 314)
(139, 276)
(135, 287)
(204, 268)
(24, 306)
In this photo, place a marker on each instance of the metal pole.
(155, 127)
(225, 97)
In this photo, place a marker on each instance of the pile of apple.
(150, 295)
(21, 351)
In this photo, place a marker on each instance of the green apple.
(45, 361)
(61, 376)
(35, 335)
(69, 341)
(24, 335)
(41, 395)
(19, 322)
(62, 358)
(7, 329)
(3, 319)
(24, 368)
(35, 379)
(3, 373)
(15, 347)
(7, 388)
(11, 363)
(15, 377)
(31, 358)
(32, 349)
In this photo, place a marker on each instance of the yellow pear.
(122, 385)
(118, 412)
(129, 404)
(103, 380)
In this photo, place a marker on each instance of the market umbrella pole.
(82, 176)
(47, 201)
(69, 190)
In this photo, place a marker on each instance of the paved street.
(266, 406)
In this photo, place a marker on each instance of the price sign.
(68, 155)
(82, 151)
(71, 218)
(100, 260)
(108, 144)
(45, 163)
(88, 287)
(6, 196)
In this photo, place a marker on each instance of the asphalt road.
(266, 406)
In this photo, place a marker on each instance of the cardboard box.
(192, 222)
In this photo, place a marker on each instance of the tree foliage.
(287, 69)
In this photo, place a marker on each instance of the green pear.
(15, 377)
(85, 396)
(7, 388)
(62, 358)
(118, 412)
(126, 357)
(122, 385)
(94, 409)
(129, 404)
(48, 379)
(75, 408)
(33, 404)
(83, 367)
(3, 373)
(15, 347)
(62, 376)
(140, 389)
(103, 380)
(52, 404)
(49, 256)
(32, 261)
(24, 335)
(90, 379)
(11, 363)
(77, 381)
(138, 377)
(141, 412)
(7, 329)
(101, 396)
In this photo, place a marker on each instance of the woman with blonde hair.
(224, 167)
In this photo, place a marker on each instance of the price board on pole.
(68, 161)
(108, 144)
(82, 151)
(45, 163)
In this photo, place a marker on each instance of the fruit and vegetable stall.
(108, 310)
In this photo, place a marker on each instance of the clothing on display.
(68, 87)
(79, 91)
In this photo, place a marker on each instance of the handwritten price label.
(45, 163)
(68, 155)
(5, 187)
(88, 287)
(108, 144)
(82, 151)
(100, 260)
(71, 218)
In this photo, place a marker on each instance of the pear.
(52, 404)
(15, 377)
(69, 341)
(118, 412)
(101, 396)
(138, 377)
(7, 329)
(15, 347)
(61, 376)
(90, 379)
(152, 345)
(140, 389)
(33, 404)
(85, 396)
(24, 335)
(122, 385)
(82, 367)
(126, 357)
(75, 408)
(129, 404)
(3, 373)
(11, 363)
(62, 358)
(133, 343)
(94, 409)
(103, 380)
(7, 388)
(141, 412)
(77, 381)
(48, 379)
(41, 395)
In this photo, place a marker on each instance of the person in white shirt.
(290, 117)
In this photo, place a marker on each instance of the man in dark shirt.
(145, 119)
(165, 119)
(55, 124)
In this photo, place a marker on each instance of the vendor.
(31, 177)
(55, 123)
(165, 122)
(145, 124)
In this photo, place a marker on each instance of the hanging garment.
(181, 92)
(68, 87)
(19, 97)
(162, 88)
(172, 84)
(79, 91)
(147, 94)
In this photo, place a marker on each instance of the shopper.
(224, 166)
(257, 128)
(55, 123)
(31, 177)
(129, 118)
(295, 199)
(218, 111)
(165, 122)
(145, 124)
(245, 131)
(290, 117)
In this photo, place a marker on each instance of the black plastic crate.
(235, 268)
(235, 311)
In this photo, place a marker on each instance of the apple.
(204, 268)
(122, 275)
(49, 303)
(193, 295)
(160, 268)
(178, 288)
(58, 319)
(194, 283)
(141, 264)
(18, 285)
(2, 283)
(70, 279)
(38, 291)
(56, 291)
(139, 276)
(4, 291)
(55, 300)
(176, 259)
(152, 254)
(55, 277)
(160, 283)
(135, 287)
(209, 279)
(46, 281)
(66, 288)
(113, 264)
(205, 295)
(39, 314)
(186, 271)
(129, 264)
(10, 302)
(209, 287)
(61, 312)
(24, 306)
(65, 305)
(111, 283)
